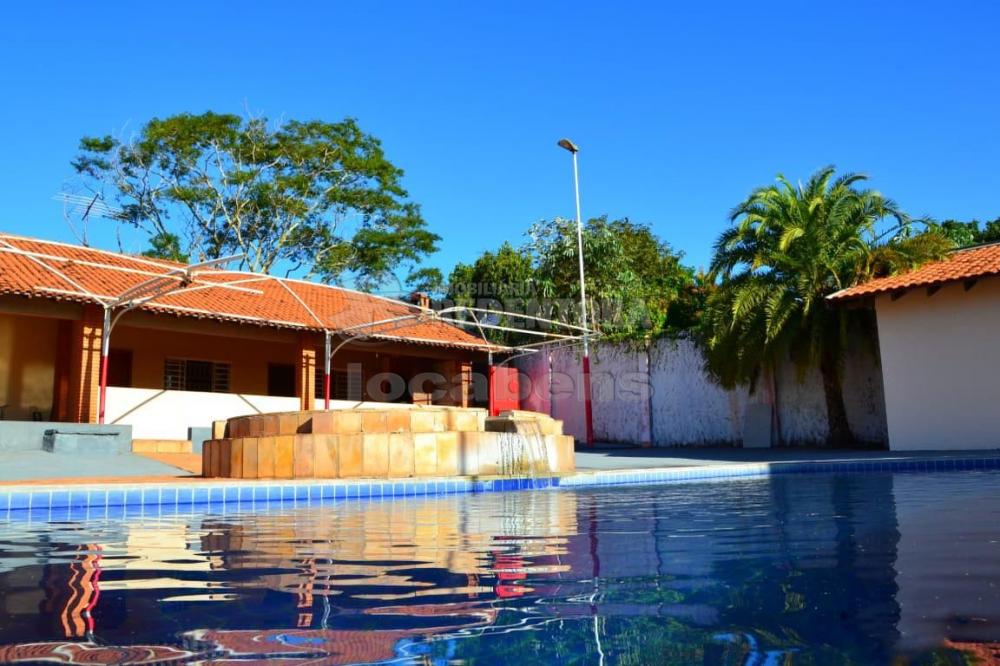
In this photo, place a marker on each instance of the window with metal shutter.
(192, 375)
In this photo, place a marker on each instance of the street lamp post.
(587, 408)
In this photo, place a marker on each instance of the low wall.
(621, 394)
(160, 414)
(535, 392)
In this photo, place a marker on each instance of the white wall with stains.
(689, 408)
(621, 392)
(661, 395)
(566, 395)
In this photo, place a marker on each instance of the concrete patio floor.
(21, 466)
(615, 457)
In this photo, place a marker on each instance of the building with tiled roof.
(965, 265)
(216, 343)
(938, 332)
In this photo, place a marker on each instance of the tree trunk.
(836, 413)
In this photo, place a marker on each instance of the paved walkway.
(18, 466)
(610, 457)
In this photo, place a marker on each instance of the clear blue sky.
(679, 108)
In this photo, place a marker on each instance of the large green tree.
(312, 197)
(501, 280)
(790, 247)
(964, 234)
(636, 283)
(632, 277)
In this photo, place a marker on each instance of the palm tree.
(790, 247)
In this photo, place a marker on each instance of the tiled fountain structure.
(387, 443)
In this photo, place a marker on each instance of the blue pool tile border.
(54, 503)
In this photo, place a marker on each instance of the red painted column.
(492, 390)
(103, 398)
(588, 408)
(505, 390)
(326, 390)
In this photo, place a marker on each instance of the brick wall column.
(464, 383)
(457, 383)
(85, 366)
(305, 376)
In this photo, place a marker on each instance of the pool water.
(791, 569)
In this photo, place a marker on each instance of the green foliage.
(686, 312)
(314, 196)
(790, 247)
(504, 274)
(426, 279)
(166, 246)
(964, 234)
(636, 284)
(504, 280)
(632, 277)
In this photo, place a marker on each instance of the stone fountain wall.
(382, 443)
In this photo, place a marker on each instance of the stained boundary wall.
(660, 395)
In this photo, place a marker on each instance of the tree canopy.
(964, 234)
(790, 247)
(633, 278)
(501, 280)
(315, 197)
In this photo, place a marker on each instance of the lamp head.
(569, 145)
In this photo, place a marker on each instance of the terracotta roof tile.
(965, 264)
(58, 271)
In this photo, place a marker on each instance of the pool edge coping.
(24, 499)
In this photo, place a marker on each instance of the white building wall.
(941, 367)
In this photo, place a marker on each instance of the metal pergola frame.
(114, 307)
(378, 328)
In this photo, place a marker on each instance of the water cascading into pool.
(522, 450)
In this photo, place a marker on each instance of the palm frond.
(788, 247)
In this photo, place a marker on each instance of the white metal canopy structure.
(114, 307)
(574, 336)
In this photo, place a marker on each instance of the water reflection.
(812, 569)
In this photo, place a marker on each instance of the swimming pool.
(816, 568)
